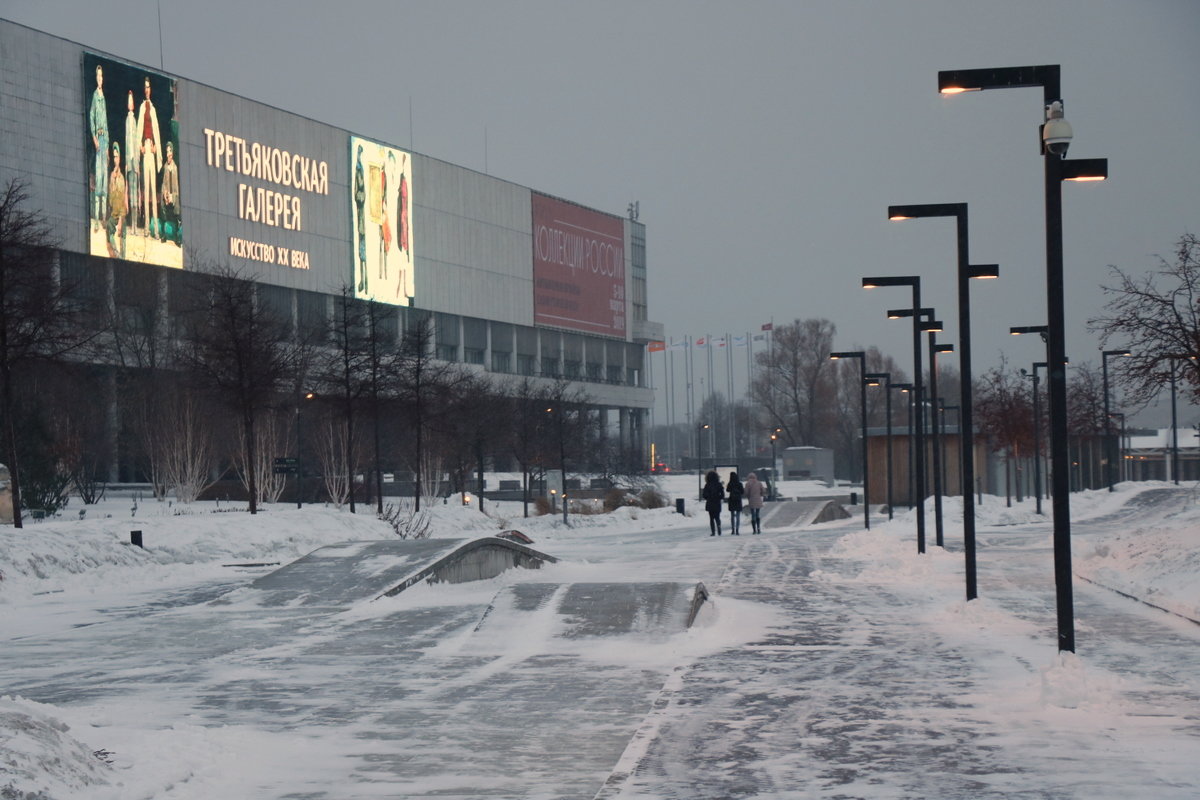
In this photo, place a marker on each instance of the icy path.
(861, 696)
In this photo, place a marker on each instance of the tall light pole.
(1123, 476)
(906, 388)
(774, 475)
(1108, 438)
(932, 327)
(862, 388)
(700, 429)
(965, 272)
(1044, 332)
(886, 377)
(562, 456)
(914, 282)
(942, 409)
(1055, 135)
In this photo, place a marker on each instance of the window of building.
(473, 355)
(501, 362)
(527, 365)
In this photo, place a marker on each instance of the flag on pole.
(680, 345)
(740, 341)
(701, 341)
(760, 337)
(656, 347)
(719, 342)
(768, 326)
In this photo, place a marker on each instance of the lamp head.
(1056, 131)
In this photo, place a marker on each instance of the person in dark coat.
(714, 495)
(736, 491)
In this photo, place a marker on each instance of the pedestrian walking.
(735, 490)
(754, 501)
(714, 496)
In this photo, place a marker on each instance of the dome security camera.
(1056, 132)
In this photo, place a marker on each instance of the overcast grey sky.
(763, 140)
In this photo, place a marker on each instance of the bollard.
(678, 505)
(854, 498)
(135, 539)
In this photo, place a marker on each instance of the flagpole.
(708, 346)
(729, 388)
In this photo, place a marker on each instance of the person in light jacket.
(714, 495)
(754, 501)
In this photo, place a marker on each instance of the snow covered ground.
(833, 662)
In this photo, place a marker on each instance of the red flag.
(656, 347)
(769, 326)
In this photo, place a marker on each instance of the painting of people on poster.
(381, 216)
(131, 132)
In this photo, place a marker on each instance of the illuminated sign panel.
(578, 268)
(381, 217)
(277, 205)
(135, 210)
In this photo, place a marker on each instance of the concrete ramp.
(795, 513)
(588, 610)
(350, 572)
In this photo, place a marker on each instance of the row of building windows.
(135, 291)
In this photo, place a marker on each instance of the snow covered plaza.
(830, 662)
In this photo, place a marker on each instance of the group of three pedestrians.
(714, 496)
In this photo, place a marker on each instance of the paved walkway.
(855, 699)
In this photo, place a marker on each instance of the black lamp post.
(862, 388)
(1108, 437)
(562, 457)
(886, 377)
(700, 429)
(906, 388)
(932, 327)
(914, 282)
(966, 271)
(942, 409)
(1055, 134)
(1123, 473)
(774, 477)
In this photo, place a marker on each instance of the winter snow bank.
(1158, 563)
(40, 757)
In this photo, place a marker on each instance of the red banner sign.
(578, 268)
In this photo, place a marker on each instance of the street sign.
(286, 466)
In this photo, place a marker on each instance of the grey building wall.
(472, 233)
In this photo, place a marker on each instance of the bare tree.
(1157, 316)
(248, 357)
(39, 313)
(794, 375)
(1003, 411)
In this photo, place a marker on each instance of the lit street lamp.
(700, 429)
(907, 388)
(914, 282)
(562, 459)
(1055, 134)
(862, 388)
(966, 271)
(774, 465)
(886, 377)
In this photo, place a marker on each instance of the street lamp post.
(943, 408)
(562, 457)
(966, 271)
(886, 377)
(774, 468)
(862, 388)
(1174, 431)
(932, 327)
(700, 429)
(1108, 440)
(907, 388)
(1123, 474)
(1055, 134)
(914, 282)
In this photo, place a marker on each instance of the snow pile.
(1158, 563)
(40, 759)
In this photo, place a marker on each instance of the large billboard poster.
(132, 165)
(578, 268)
(381, 233)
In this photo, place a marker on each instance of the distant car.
(660, 467)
